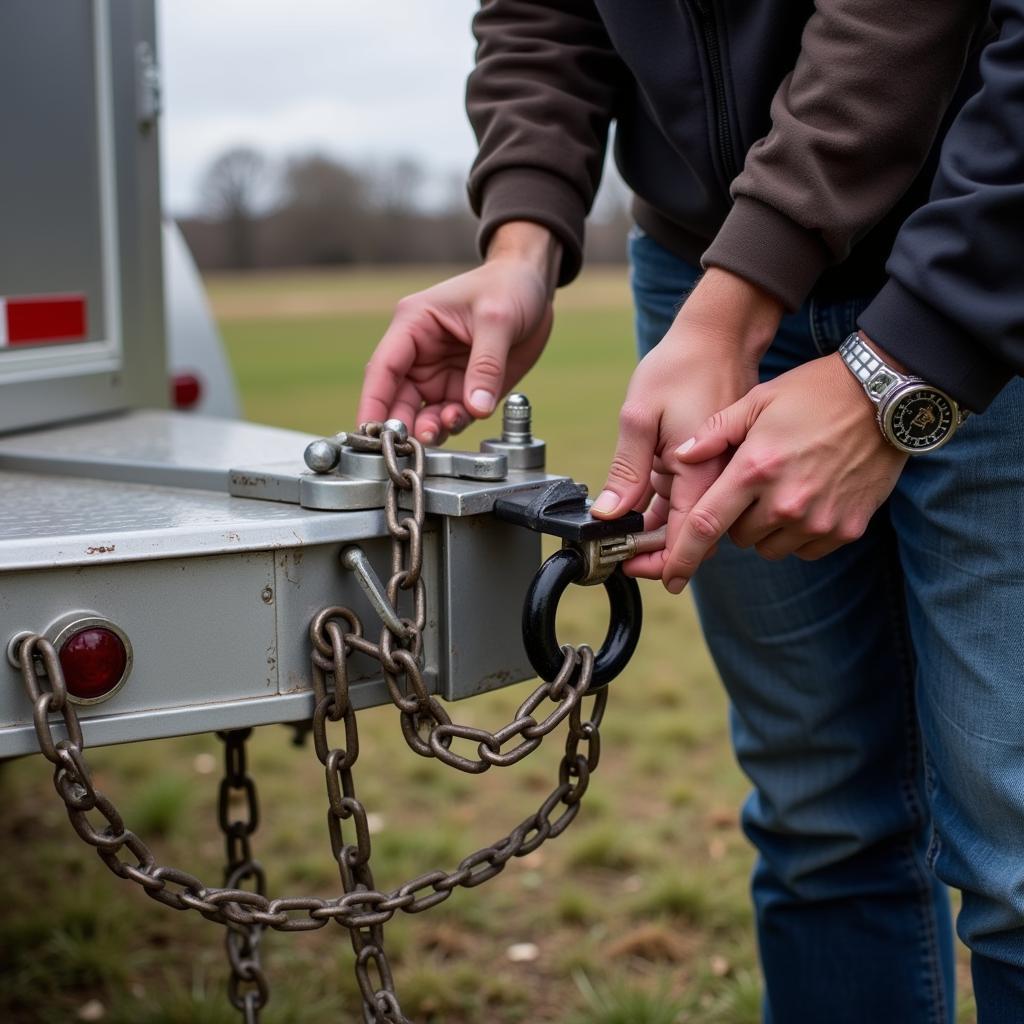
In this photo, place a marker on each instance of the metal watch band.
(876, 376)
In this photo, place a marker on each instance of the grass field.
(637, 915)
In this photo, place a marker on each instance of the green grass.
(645, 895)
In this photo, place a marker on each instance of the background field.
(638, 913)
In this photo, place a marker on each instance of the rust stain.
(101, 549)
(244, 480)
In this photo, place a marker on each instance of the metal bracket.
(562, 510)
(436, 462)
(341, 473)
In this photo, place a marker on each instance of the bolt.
(323, 455)
(267, 595)
(517, 420)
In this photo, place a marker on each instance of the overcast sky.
(357, 78)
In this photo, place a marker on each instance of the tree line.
(316, 210)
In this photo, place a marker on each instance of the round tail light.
(186, 390)
(96, 658)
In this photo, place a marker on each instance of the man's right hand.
(710, 355)
(452, 351)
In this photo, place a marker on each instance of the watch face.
(921, 419)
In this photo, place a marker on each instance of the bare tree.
(396, 185)
(230, 192)
(322, 209)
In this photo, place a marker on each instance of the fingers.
(705, 525)
(442, 413)
(495, 328)
(406, 405)
(725, 429)
(630, 471)
(387, 371)
(455, 418)
(429, 427)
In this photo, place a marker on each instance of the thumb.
(630, 473)
(494, 331)
(723, 430)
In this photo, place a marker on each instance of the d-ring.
(624, 621)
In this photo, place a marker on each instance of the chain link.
(248, 990)
(241, 904)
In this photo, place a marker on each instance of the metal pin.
(323, 455)
(354, 559)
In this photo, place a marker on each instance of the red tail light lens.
(95, 663)
(186, 390)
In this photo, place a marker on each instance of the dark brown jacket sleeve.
(852, 126)
(540, 101)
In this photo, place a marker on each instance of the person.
(778, 148)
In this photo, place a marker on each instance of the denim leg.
(851, 924)
(959, 514)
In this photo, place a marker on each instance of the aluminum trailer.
(160, 571)
(115, 508)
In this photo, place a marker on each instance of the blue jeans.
(877, 706)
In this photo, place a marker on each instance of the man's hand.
(708, 359)
(810, 469)
(453, 350)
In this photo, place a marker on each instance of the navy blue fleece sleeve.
(953, 309)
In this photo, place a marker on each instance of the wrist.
(523, 241)
(733, 312)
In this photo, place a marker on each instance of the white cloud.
(357, 78)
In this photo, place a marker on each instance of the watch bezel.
(897, 396)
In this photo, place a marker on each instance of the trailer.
(165, 573)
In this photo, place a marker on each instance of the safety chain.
(363, 909)
(247, 986)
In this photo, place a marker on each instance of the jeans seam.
(938, 1008)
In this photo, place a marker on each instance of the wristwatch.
(915, 417)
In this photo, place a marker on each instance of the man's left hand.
(810, 467)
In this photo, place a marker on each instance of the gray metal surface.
(245, 459)
(222, 640)
(51, 521)
(488, 566)
(153, 446)
(215, 648)
(216, 594)
(81, 207)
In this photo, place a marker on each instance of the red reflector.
(94, 661)
(42, 318)
(186, 390)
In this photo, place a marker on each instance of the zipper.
(708, 22)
